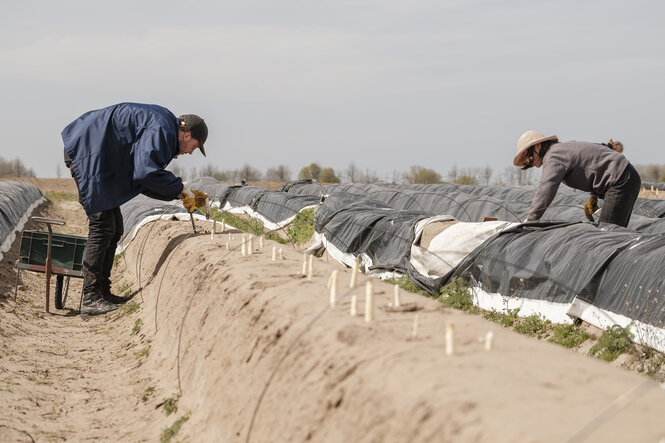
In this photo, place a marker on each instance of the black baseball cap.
(195, 124)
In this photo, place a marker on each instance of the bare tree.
(250, 173)
(351, 173)
(368, 177)
(279, 173)
(487, 175)
(452, 173)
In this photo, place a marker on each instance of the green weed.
(534, 325)
(456, 294)
(274, 236)
(612, 342)
(147, 393)
(117, 258)
(251, 225)
(568, 336)
(128, 308)
(142, 353)
(505, 320)
(408, 285)
(171, 405)
(124, 289)
(61, 196)
(171, 431)
(302, 228)
(137, 326)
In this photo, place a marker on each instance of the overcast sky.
(383, 84)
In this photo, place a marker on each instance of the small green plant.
(171, 431)
(117, 258)
(142, 353)
(171, 405)
(612, 342)
(137, 326)
(569, 336)
(251, 225)
(274, 236)
(505, 320)
(128, 308)
(302, 228)
(61, 196)
(534, 325)
(124, 289)
(408, 285)
(147, 393)
(456, 294)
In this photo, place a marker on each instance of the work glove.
(192, 199)
(590, 207)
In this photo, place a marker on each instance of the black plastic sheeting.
(472, 203)
(364, 226)
(654, 185)
(615, 269)
(16, 197)
(275, 206)
(140, 207)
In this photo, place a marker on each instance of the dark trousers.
(105, 230)
(620, 198)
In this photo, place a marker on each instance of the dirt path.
(62, 379)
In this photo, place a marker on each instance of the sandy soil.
(248, 350)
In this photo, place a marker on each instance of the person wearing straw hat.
(589, 167)
(114, 154)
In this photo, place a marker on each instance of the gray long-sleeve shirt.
(589, 167)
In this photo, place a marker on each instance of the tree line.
(14, 168)
(353, 174)
(511, 176)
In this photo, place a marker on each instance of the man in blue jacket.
(114, 154)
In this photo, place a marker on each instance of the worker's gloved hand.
(199, 198)
(192, 199)
(590, 207)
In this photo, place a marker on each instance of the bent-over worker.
(114, 154)
(589, 167)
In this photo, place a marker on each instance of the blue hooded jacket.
(121, 151)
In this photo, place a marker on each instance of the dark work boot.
(94, 304)
(112, 298)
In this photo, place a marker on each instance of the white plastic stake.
(396, 301)
(354, 305)
(243, 246)
(261, 243)
(450, 338)
(354, 273)
(250, 245)
(304, 264)
(369, 301)
(214, 229)
(333, 288)
(274, 253)
(224, 226)
(489, 340)
(310, 259)
(227, 244)
(414, 331)
(280, 254)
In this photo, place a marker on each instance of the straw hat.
(528, 139)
